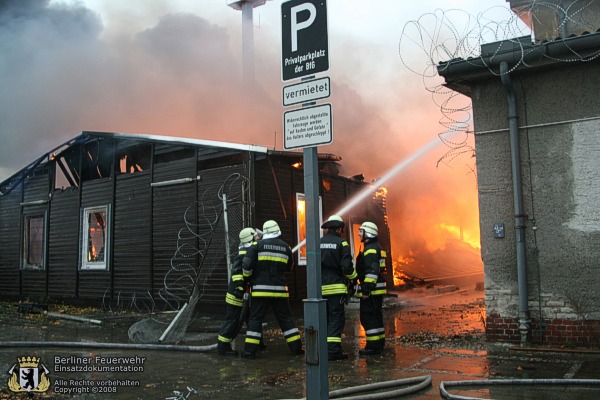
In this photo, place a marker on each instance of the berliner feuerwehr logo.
(29, 376)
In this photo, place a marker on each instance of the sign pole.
(304, 53)
(315, 312)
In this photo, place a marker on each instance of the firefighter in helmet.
(337, 271)
(235, 295)
(267, 265)
(370, 264)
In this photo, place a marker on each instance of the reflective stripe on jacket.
(267, 265)
(336, 264)
(370, 265)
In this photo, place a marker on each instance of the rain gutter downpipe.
(513, 127)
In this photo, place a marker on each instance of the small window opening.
(34, 240)
(95, 238)
(301, 224)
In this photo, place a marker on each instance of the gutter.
(520, 52)
(513, 127)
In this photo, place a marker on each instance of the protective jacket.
(370, 265)
(237, 284)
(266, 265)
(336, 264)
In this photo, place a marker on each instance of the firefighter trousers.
(336, 319)
(371, 318)
(231, 326)
(283, 314)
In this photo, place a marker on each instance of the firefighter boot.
(370, 351)
(296, 348)
(224, 349)
(340, 355)
(248, 355)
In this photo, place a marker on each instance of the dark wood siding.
(96, 284)
(160, 236)
(132, 263)
(10, 233)
(172, 206)
(35, 189)
(63, 250)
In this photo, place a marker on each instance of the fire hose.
(508, 382)
(132, 346)
(418, 383)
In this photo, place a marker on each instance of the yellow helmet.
(369, 228)
(246, 235)
(270, 227)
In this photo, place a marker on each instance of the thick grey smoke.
(46, 56)
(60, 74)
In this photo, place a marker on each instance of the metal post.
(248, 43)
(227, 248)
(315, 321)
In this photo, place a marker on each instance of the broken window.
(134, 158)
(34, 239)
(66, 167)
(95, 240)
(97, 159)
(301, 225)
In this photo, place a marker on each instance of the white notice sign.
(307, 127)
(308, 91)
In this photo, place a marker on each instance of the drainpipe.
(513, 126)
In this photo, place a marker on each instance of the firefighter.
(267, 265)
(370, 264)
(235, 295)
(337, 271)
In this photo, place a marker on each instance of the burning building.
(142, 220)
(536, 119)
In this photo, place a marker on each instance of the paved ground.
(429, 332)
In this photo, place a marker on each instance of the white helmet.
(270, 227)
(370, 229)
(246, 235)
(333, 222)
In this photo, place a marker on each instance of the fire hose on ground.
(509, 382)
(95, 345)
(418, 382)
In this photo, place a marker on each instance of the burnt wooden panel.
(10, 234)
(36, 188)
(172, 207)
(95, 284)
(230, 181)
(132, 265)
(63, 244)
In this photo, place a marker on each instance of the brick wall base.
(548, 331)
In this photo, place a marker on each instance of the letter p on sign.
(296, 26)
(304, 40)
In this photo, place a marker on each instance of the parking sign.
(304, 44)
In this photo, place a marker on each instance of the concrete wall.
(560, 160)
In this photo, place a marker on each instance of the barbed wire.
(200, 220)
(447, 35)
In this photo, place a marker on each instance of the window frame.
(302, 259)
(25, 265)
(84, 263)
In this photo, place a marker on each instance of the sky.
(174, 67)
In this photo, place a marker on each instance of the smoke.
(62, 73)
